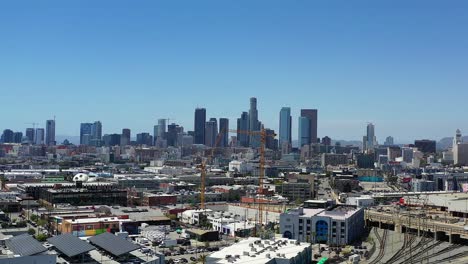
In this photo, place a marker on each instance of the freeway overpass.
(418, 224)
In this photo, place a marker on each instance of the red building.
(159, 199)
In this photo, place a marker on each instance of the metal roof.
(70, 245)
(113, 244)
(25, 245)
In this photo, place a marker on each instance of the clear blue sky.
(400, 64)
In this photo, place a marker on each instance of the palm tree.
(202, 259)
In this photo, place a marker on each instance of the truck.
(168, 243)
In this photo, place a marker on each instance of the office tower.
(96, 130)
(125, 138)
(304, 131)
(199, 126)
(171, 136)
(144, 139)
(17, 137)
(460, 154)
(326, 141)
(369, 140)
(426, 146)
(112, 139)
(39, 136)
(458, 138)
(388, 141)
(155, 134)
(285, 126)
(270, 141)
(224, 128)
(243, 125)
(312, 116)
(393, 152)
(85, 129)
(162, 128)
(211, 131)
(30, 135)
(50, 133)
(254, 124)
(8, 136)
(407, 154)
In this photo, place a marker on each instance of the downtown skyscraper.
(243, 125)
(369, 140)
(224, 128)
(285, 125)
(199, 126)
(308, 127)
(211, 132)
(50, 133)
(254, 124)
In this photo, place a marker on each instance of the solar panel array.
(113, 244)
(70, 245)
(25, 245)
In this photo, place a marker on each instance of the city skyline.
(164, 61)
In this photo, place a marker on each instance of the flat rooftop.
(340, 212)
(256, 251)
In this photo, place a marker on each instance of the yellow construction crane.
(263, 136)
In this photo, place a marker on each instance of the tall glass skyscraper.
(243, 125)
(371, 139)
(85, 133)
(161, 128)
(285, 126)
(312, 115)
(199, 126)
(211, 132)
(254, 124)
(304, 131)
(224, 128)
(50, 133)
(39, 136)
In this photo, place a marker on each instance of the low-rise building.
(193, 217)
(257, 251)
(360, 201)
(150, 199)
(340, 225)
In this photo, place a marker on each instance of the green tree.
(34, 217)
(41, 222)
(31, 231)
(41, 237)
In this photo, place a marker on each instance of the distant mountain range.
(447, 142)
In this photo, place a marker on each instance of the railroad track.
(397, 255)
(382, 242)
(445, 250)
(425, 250)
(448, 259)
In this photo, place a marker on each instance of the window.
(300, 221)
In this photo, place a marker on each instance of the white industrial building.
(360, 201)
(340, 225)
(192, 217)
(240, 166)
(256, 251)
